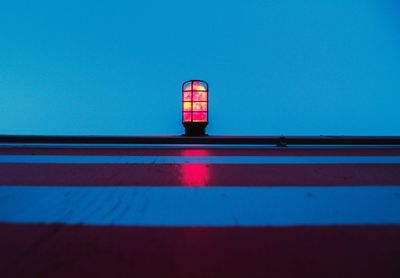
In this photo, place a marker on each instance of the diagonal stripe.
(70, 159)
(206, 206)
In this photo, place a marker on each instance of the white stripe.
(83, 159)
(205, 206)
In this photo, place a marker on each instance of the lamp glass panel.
(187, 116)
(199, 116)
(187, 106)
(199, 106)
(187, 96)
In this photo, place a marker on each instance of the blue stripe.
(87, 159)
(205, 206)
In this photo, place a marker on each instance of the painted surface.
(201, 206)
(88, 159)
(177, 212)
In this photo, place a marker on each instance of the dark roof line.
(280, 141)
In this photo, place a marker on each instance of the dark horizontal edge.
(281, 141)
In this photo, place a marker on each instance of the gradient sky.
(274, 67)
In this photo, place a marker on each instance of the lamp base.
(195, 129)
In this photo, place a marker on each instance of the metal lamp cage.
(195, 101)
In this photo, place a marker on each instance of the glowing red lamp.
(195, 107)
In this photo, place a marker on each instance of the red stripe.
(79, 251)
(203, 151)
(199, 174)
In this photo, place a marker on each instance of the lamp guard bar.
(280, 141)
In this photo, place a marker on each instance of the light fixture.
(195, 107)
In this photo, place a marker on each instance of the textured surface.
(195, 216)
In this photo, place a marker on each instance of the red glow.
(187, 116)
(200, 117)
(195, 102)
(194, 174)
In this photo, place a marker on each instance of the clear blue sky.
(274, 67)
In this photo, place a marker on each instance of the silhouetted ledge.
(225, 140)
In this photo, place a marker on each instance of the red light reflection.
(194, 174)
